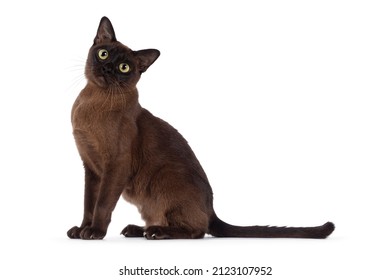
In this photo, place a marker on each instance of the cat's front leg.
(92, 182)
(110, 189)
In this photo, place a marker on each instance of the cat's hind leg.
(166, 232)
(160, 232)
(133, 231)
(181, 222)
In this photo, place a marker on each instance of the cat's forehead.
(115, 47)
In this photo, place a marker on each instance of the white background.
(285, 103)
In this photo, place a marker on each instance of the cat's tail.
(219, 228)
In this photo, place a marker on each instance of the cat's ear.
(105, 33)
(146, 58)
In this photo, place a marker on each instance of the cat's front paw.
(90, 233)
(74, 233)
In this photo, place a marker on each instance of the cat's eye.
(103, 54)
(124, 67)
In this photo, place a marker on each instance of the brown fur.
(127, 151)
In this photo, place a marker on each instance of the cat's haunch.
(127, 151)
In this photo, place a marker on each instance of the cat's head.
(112, 64)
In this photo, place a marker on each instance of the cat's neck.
(110, 99)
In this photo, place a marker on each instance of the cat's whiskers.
(106, 99)
(122, 95)
(112, 99)
(78, 68)
(75, 82)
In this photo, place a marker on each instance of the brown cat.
(127, 151)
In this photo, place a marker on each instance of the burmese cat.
(127, 151)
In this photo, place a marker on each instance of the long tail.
(219, 228)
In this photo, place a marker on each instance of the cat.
(127, 151)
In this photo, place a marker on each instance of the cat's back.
(160, 136)
(162, 144)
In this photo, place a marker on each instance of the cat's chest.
(90, 122)
(99, 135)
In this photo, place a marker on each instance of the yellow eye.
(103, 54)
(124, 67)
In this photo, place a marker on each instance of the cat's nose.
(108, 68)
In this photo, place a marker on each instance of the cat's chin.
(100, 82)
